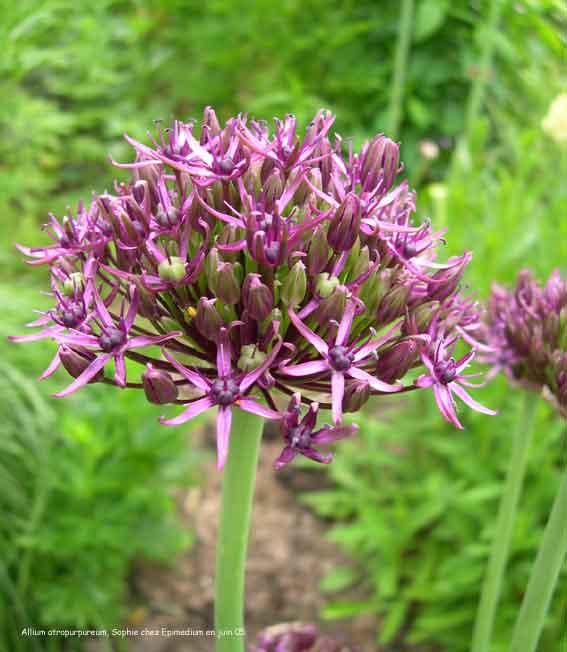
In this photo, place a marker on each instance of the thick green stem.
(505, 525)
(239, 477)
(543, 578)
(405, 28)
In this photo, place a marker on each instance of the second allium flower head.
(262, 264)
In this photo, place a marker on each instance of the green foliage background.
(77, 488)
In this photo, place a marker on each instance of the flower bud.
(318, 254)
(325, 284)
(356, 395)
(172, 270)
(225, 285)
(250, 358)
(158, 386)
(332, 307)
(257, 297)
(381, 155)
(75, 362)
(167, 218)
(207, 320)
(393, 305)
(444, 282)
(74, 284)
(273, 189)
(344, 227)
(423, 315)
(397, 360)
(360, 263)
(295, 285)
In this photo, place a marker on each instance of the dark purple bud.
(332, 307)
(356, 395)
(444, 282)
(167, 218)
(210, 120)
(319, 252)
(207, 320)
(225, 284)
(393, 304)
(75, 362)
(397, 360)
(344, 227)
(257, 297)
(158, 386)
(380, 157)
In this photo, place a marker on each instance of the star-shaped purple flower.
(339, 359)
(228, 389)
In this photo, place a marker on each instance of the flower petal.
(469, 400)
(250, 405)
(285, 457)
(308, 334)
(88, 374)
(200, 382)
(338, 392)
(193, 409)
(346, 324)
(306, 368)
(446, 404)
(328, 435)
(375, 383)
(52, 367)
(224, 422)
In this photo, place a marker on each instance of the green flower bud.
(75, 283)
(250, 358)
(172, 270)
(332, 307)
(325, 284)
(257, 297)
(319, 252)
(295, 285)
(158, 386)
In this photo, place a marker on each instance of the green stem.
(543, 578)
(505, 524)
(237, 491)
(479, 85)
(402, 51)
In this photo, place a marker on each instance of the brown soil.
(288, 556)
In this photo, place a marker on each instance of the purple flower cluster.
(295, 637)
(526, 333)
(261, 264)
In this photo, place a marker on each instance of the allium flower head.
(526, 332)
(240, 267)
(295, 637)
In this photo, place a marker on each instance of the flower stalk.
(543, 579)
(236, 509)
(500, 550)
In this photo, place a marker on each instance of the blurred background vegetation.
(83, 492)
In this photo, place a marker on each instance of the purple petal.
(33, 337)
(133, 309)
(329, 435)
(53, 366)
(193, 409)
(306, 368)
(424, 381)
(223, 354)
(140, 341)
(346, 324)
(224, 422)
(338, 392)
(308, 334)
(375, 383)
(464, 361)
(372, 345)
(469, 400)
(102, 311)
(316, 456)
(250, 405)
(193, 377)
(285, 457)
(88, 374)
(446, 404)
(77, 339)
(120, 375)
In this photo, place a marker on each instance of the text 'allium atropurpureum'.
(261, 264)
(526, 332)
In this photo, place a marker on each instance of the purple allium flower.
(239, 268)
(295, 637)
(300, 438)
(524, 334)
